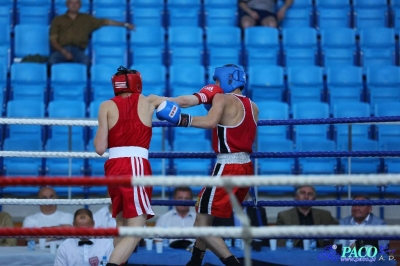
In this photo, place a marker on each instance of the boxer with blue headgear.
(230, 77)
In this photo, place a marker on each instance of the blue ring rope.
(191, 155)
(288, 203)
(314, 121)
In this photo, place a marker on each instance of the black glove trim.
(185, 120)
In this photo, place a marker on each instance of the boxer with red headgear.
(233, 118)
(125, 128)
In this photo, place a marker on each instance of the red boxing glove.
(206, 94)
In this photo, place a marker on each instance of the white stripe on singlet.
(135, 172)
(218, 175)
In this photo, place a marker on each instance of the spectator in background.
(261, 13)
(69, 34)
(304, 215)
(84, 251)
(179, 216)
(103, 217)
(48, 216)
(6, 221)
(363, 216)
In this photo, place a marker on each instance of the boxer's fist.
(171, 112)
(206, 94)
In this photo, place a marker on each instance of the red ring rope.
(65, 181)
(58, 231)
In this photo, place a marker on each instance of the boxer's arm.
(101, 139)
(214, 116)
(185, 101)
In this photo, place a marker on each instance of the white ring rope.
(55, 201)
(49, 121)
(269, 180)
(264, 231)
(51, 154)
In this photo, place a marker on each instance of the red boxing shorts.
(131, 201)
(215, 200)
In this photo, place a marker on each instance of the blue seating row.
(319, 13)
(193, 45)
(265, 83)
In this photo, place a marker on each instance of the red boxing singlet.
(129, 141)
(239, 138)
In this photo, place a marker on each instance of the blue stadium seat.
(93, 112)
(62, 166)
(262, 46)
(28, 81)
(299, 46)
(34, 12)
(100, 81)
(3, 86)
(300, 14)
(25, 109)
(351, 109)
(220, 13)
(226, 49)
(154, 78)
(5, 38)
(147, 13)
(267, 166)
(266, 82)
(305, 84)
(109, 46)
(159, 143)
(192, 166)
(332, 14)
(308, 110)
(147, 45)
(317, 165)
(383, 84)
(377, 51)
(387, 133)
(272, 110)
(185, 45)
(395, 13)
(391, 164)
(116, 11)
(7, 14)
(22, 166)
(338, 47)
(365, 165)
(36, 35)
(5, 56)
(220, 16)
(67, 109)
(183, 12)
(96, 165)
(344, 84)
(68, 81)
(370, 14)
(186, 79)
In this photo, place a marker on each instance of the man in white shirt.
(49, 215)
(362, 216)
(179, 216)
(103, 217)
(83, 252)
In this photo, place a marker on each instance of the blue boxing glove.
(171, 112)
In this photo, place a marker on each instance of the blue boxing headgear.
(230, 77)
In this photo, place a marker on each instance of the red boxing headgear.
(126, 80)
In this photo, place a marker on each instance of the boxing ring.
(246, 232)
